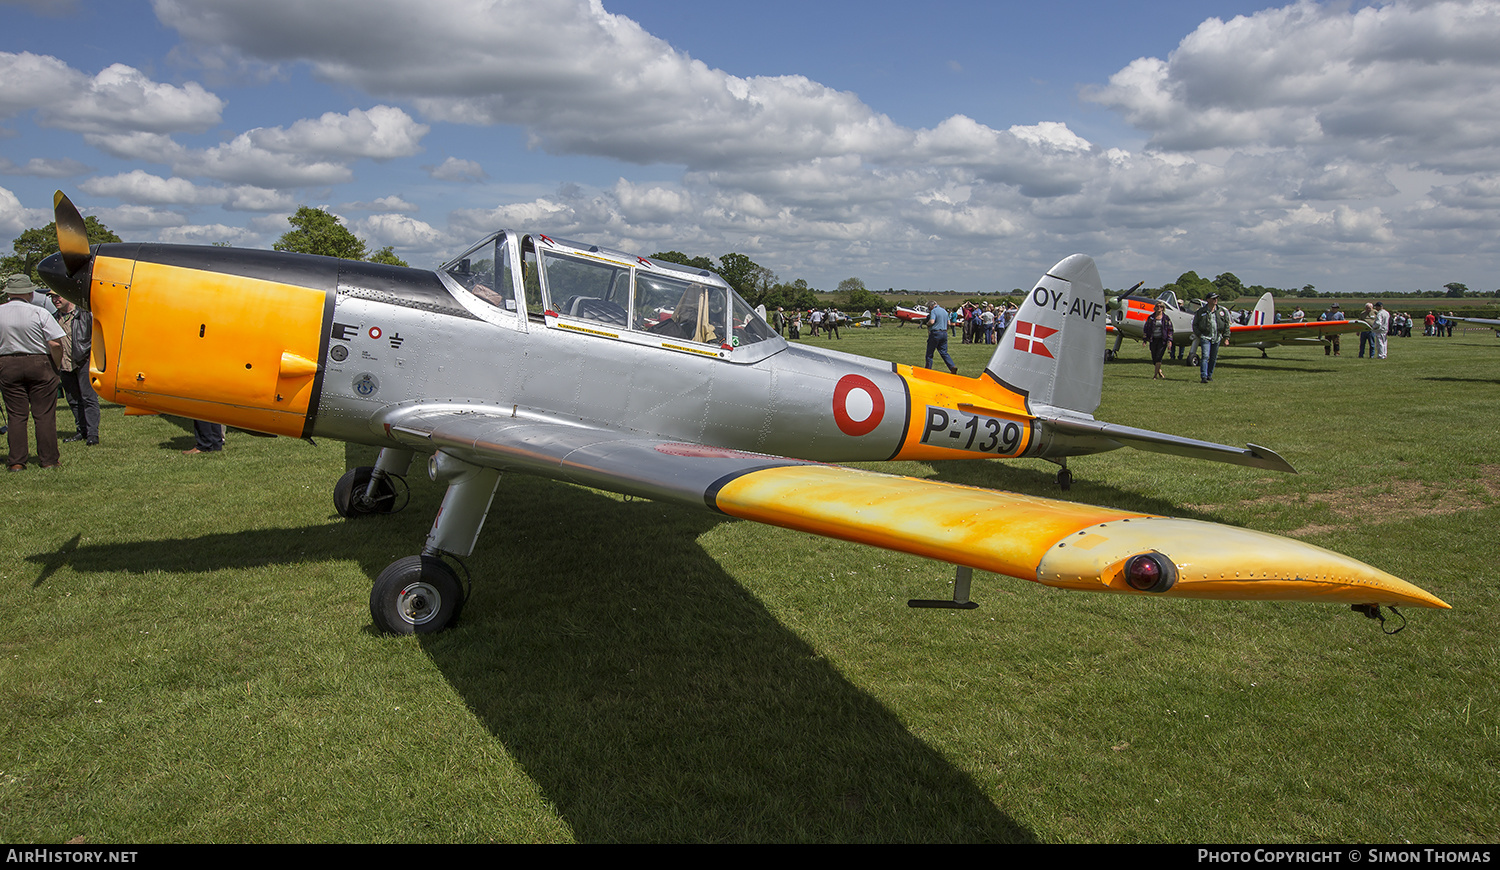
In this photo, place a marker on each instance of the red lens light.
(1150, 572)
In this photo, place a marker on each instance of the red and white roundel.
(858, 406)
(374, 332)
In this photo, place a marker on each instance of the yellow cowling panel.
(218, 347)
(108, 295)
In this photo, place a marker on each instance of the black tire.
(1109, 356)
(1065, 479)
(415, 595)
(349, 494)
(1194, 360)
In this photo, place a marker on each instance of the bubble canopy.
(556, 279)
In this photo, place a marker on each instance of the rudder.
(1264, 313)
(1054, 351)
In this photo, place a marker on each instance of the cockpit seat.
(596, 309)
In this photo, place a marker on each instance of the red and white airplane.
(1128, 315)
(917, 314)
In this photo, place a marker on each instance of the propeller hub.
(68, 271)
(72, 287)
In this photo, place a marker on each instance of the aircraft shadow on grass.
(1451, 380)
(625, 669)
(1035, 478)
(1234, 364)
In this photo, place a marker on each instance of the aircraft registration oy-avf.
(1128, 314)
(569, 361)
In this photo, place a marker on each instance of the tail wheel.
(415, 595)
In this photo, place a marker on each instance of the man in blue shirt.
(937, 336)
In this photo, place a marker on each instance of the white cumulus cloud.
(456, 169)
(1406, 82)
(118, 99)
(1300, 140)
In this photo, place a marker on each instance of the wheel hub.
(419, 603)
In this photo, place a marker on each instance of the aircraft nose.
(74, 287)
(1214, 561)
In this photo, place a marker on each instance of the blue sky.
(942, 145)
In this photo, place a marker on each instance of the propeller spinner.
(67, 271)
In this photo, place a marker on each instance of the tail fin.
(1054, 351)
(1264, 313)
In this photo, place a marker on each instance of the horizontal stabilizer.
(1144, 439)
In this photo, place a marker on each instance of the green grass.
(191, 656)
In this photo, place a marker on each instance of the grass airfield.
(192, 658)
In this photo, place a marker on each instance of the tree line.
(754, 282)
(1189, 286)
(314, 231)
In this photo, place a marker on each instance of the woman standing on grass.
(1159, 337)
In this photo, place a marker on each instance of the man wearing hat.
(1331, 344)
(1211, 328)
(30, 356)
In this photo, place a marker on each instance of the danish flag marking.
(1030, 338)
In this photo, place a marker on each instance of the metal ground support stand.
(963, 576)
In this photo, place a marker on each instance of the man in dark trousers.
(1211, 326)
(937, 336)
(30, 355)
(78, 335)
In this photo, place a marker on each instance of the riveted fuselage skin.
(320, 347)
(773, 397)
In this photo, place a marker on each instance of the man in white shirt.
(30, 355)
(1382, 328)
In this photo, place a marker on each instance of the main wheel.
(1194, 359)
(349, 493)
(1109, 355)
(415, 595)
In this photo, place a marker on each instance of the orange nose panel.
(209, 345)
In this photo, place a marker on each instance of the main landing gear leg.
(1112, 354)
(421, 594)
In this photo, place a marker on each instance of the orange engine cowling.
(171, 336)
